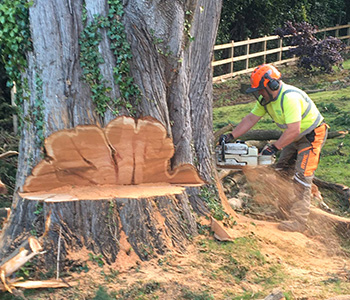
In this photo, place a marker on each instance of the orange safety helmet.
(262, 76)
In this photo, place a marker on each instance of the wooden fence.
(276, 54)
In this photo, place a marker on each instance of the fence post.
(265, 47)
(348, 34)
(232, 55)
(247, 60)
(280, 53)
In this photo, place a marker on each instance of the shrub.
(313, 53)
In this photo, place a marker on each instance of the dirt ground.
(307, 264)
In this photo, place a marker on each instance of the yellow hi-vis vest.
(291, 105)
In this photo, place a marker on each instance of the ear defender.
(273, 84)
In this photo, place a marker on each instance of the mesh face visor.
(261, 99)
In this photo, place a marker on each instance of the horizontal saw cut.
(90, 162)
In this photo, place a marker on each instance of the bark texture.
(173, 73)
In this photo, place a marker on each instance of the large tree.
(90, 61)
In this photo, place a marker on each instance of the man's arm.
(289, 135)
(247, 122)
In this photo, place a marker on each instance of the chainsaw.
(239, 154)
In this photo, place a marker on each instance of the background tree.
(243, 19)
(89, 61)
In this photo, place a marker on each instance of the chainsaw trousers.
(300, 159)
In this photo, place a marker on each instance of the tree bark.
(173, 73)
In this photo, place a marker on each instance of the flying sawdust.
(273, 189)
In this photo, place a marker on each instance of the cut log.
(25, 252)
(90, 163)
(30, 284)
(30, 248)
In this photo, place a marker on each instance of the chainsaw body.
(239, 154)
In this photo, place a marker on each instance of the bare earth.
(306, 261)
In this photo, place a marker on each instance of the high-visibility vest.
(291, 105)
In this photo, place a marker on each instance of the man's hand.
(269, 149)
(227, 138)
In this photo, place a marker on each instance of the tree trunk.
(171, 45)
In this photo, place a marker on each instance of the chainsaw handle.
(223, 158)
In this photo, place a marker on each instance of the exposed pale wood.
(8, 154)
(32, 284)
(25, 252)
(30, 248)
(126, 152)
(219, 231)
(3, 189)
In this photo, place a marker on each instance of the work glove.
(269, 149)
(227, 138)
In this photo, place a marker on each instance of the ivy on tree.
(91, 58)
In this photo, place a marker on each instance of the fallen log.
(267, 135)
(339, 188)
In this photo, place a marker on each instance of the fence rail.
(227, 65)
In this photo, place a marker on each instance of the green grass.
(241, 260)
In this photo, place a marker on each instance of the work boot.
(292, 226)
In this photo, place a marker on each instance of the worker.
(304, 134)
